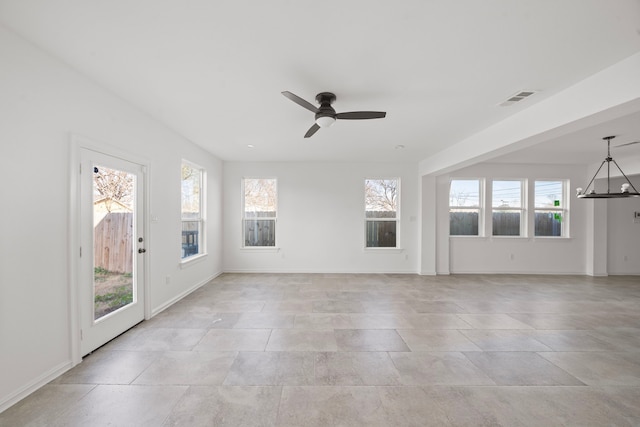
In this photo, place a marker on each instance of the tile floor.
(365, 350)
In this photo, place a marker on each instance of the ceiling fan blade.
(295, 98)
(361, 115)
(628, 143)
(313, 129)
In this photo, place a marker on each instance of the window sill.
(549, 238)
(192, 260)
(540, 238)
(509, 238)
(260, 248)
(384, 250)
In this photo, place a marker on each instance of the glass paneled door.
(112, 253)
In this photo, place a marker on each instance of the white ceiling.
(213, 70)
(585, 146)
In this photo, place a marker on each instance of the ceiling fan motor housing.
(325, 99)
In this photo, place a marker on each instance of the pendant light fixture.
(624, 190)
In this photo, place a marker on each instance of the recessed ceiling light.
(250, 146)
(399, 147)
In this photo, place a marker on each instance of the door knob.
(142, 250)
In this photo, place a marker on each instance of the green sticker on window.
(557, 217)
(556, 203)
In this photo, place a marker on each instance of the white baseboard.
(183, 294)
(34, 385)
(534, 273)
(332, 271)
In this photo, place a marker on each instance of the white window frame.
(200, 219)
(479, 208)
(396, 219)
(245, 218)
(522, 209)
(563, 210)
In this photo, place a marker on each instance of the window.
(550, 211)
(381, 212)
(192, 202)
(260, 212)
(464, 207)
(507, 207)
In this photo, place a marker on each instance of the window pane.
(548, 194)
(260, 197)
(507, 194)
(190, 191)
(548, 223)
(381, 234)
(259, 232)
(190, 238)
(463, 222)
(506, 223)
(381, 198)
(464, 192)
(192, 210)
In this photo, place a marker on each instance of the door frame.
(77, 143)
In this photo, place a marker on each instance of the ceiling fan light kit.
(625, 189)
(325, 115)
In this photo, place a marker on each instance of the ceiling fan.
(628, 143)
(326, 115)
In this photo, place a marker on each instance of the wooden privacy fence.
(113, 242)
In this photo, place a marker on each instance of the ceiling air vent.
(517, 98)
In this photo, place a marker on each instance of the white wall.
(490, 254)
(320, 224)
(43, 102)
(623, 231)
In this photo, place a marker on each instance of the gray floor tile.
(573, 341)
(226, 406)
(379, 321)
(623, 339)
(369, 340)
(234, 340)
(188, 368)
(44, 405)
(556, 321)
(411, 406)
(181, 320)
(272, 368)
(264, 321)
(323, 321)
(302, 340)
(288, 306)
(277, 349)
(520, 368)
(438, 368)
(436, 307)
(437, 340)
(120, 405)
(355, 368)
(331, 406)
(159, 339)
(337, 306)
(599, 368)
(109, 367)
(493, 321)
(436, 321)
(536, 406)
(505, 340)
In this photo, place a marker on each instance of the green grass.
(100, 271)
(113, 291)
(120, 297)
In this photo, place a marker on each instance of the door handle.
(142, 250)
